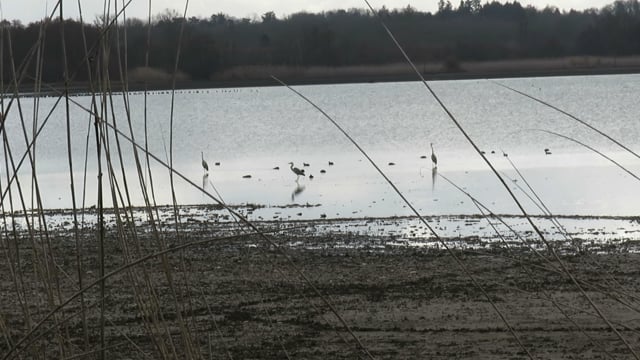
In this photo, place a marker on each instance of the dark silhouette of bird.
(305, 164)
(434, 159)
(276, 168)
(310, 176)
(330, 163)
(547, 151)
(296, 170)
(391, 163)
(323, 171)
(204, 163)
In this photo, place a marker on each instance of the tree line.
(468, 31)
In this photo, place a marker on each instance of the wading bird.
(204, 163)
(434, 159)
(296, 170)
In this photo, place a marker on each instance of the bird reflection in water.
(205, 179)
(434, 175)
(297, 191)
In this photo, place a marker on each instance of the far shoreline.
(382, 78)
(260, 76)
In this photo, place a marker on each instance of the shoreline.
(591, 233)
(259, 76)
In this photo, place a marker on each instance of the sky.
(32, 10)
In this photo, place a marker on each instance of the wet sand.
(245, 298)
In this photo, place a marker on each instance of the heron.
(296, 170)
(204, 163)
(434, 159)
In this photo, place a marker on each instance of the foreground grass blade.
(508, 189)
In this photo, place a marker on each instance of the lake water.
(249, 131)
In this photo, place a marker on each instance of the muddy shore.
(245, 298)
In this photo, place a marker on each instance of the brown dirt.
(242, 299)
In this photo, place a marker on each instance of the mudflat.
(221, 295)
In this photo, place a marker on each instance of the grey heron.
(204, 163)
(434, 159)
(296, 170)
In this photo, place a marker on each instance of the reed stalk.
(506, 187)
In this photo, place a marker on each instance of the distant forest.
(468, 31)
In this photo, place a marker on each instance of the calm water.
(249, 131)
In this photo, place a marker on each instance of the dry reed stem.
(536, 229)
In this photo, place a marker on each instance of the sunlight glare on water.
(249, 131)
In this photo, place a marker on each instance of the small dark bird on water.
(310, 176)
(204, 163)
(323, 171)
(330, 163)
(217, 164)
(276, 168)
(547, 152)
(391, 163)
(305, 164)
(296, 170)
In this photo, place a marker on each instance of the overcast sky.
(31, 10)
